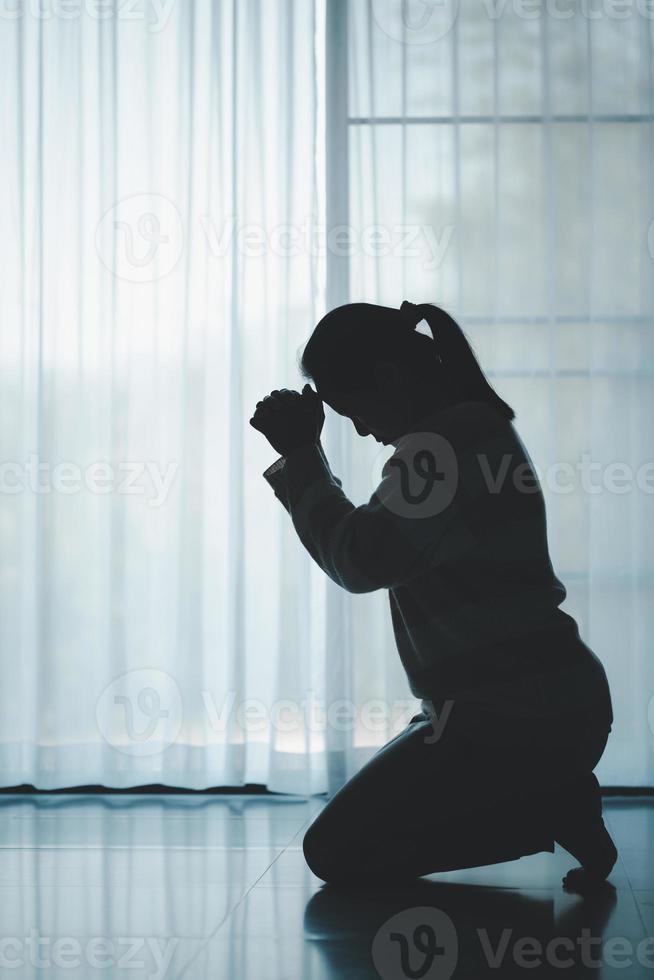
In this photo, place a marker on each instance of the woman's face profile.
(366, 416)
(383, 411)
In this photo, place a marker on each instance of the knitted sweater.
(456, 532)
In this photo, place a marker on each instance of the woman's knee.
(327, 853)
(317, 851)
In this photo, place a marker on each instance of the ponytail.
(459, 364)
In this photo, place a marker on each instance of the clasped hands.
(289, 419)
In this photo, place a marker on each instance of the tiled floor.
(195, 887)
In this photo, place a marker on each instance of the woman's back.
(483, 621)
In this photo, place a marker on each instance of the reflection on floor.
(178, 886)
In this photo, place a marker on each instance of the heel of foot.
(597, 858)
(581, 881)
(596, 853)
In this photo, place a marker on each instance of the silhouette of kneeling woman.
(515, 708)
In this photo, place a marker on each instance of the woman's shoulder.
(476, 410)
(467, 426)
(470, 421)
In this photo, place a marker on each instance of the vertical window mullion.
(336, 147)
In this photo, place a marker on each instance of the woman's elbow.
(358, 584)
(359, 588)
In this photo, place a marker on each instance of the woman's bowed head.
(369, 364)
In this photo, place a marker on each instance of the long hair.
(347, 342)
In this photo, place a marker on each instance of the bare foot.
(582, 882)
(580, 829)
(596, 853)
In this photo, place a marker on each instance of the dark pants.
(490, 789)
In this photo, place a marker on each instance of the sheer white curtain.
(158, 193)
(503, 153)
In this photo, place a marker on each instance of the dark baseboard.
(154, 789)
(627, 790)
